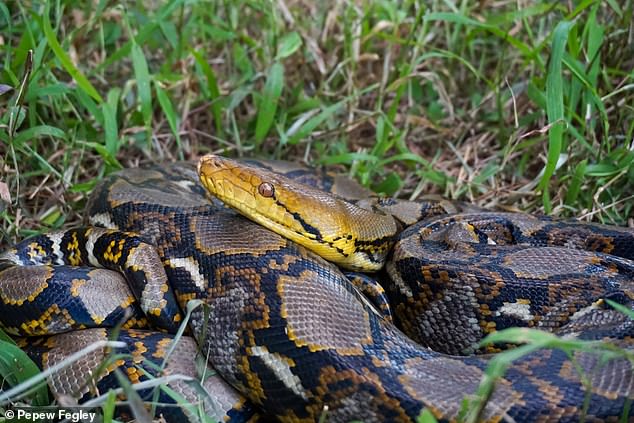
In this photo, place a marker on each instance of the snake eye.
(266, 190)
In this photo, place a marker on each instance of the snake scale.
(291, 337)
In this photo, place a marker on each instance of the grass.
(527, 109)
(504, 104)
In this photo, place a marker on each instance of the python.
(287, 330)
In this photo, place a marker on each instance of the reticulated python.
(289, 331)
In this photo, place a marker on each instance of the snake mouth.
(219, 178)
(208, 168)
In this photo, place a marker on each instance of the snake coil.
(288, 331)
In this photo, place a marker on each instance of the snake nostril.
(208, 164)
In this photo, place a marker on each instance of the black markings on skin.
(379, 242)
(368, 247)
(307, 226)
(313, 230)
(374, 249)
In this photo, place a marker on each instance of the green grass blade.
(555, 105)
(309, 126)
(6, 338)
(269, 100)
(389, 185)
(615, 6)
(109, 109)
(349, 158)
(461, 19)
(108, 158)
(145, 32)
(212, 86)
(108, 407)
(89, 104)
(142, 75)
(16, 367)
(61, 55)
(288, 45)
(6, 15)
(620, 307)
(170, 115)
(134, 400)
(575, 185)
(426, 417)
(38, 131)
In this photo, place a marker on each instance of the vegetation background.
(525, 105)
(521, 105)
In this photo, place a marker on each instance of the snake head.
(332, 227)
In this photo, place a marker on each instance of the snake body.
(288, 330)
